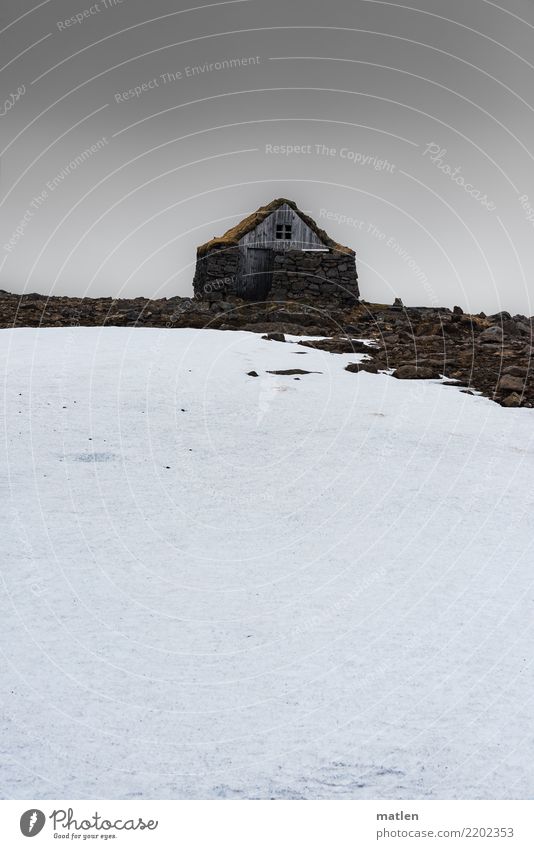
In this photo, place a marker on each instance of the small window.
(283, 232)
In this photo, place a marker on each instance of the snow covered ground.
(221, 586)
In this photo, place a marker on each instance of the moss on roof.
(232, 236)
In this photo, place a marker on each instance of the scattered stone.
(500, 316)
(290, 371)
(338, 345)
(510, 383)
(274, 337)
(357, 367)
(512, 400)
(491, 334)
(413, 372)
(516, 371)
(252, 374)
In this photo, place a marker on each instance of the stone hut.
(277, 253)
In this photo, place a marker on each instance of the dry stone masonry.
(277, 253)
(331, 275)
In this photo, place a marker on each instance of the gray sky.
(414, 124)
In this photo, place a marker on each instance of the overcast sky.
(414, 123)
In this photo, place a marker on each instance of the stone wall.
(215, 273)
(310, 275)
(297, 275)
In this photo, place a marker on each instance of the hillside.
(487, 354)
(221, 585)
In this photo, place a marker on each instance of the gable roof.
(231, 237)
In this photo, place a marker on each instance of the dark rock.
(290, 371)
(357, 367)
(516, 371)
(252, 374)
(491, 334)
(511, 383)
(522, 328)
(413, 372)
(338, 345)
(512, 400)
(500, 316)
(274, 337)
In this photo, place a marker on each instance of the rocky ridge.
(491, 354)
